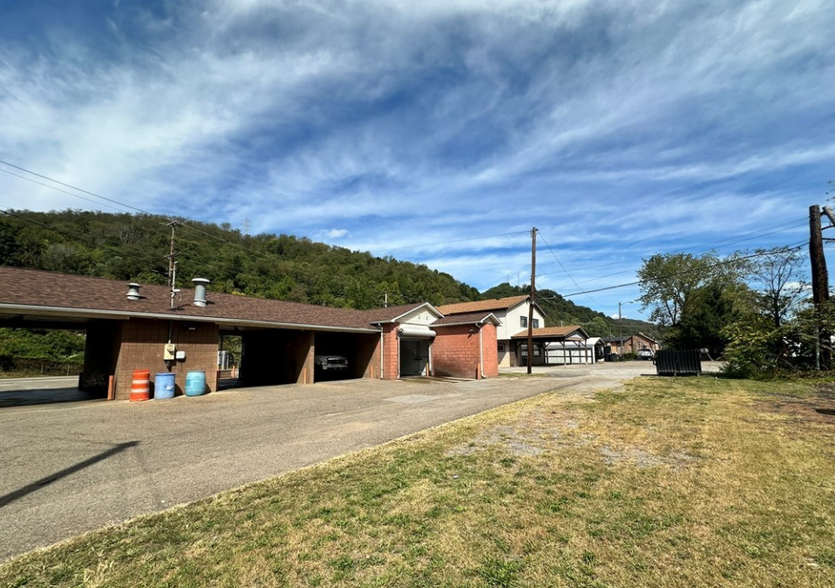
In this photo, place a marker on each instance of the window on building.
(501, 346)
(523, 322)
(535, 323)
(536, 350)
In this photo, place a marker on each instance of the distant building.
(632, 344)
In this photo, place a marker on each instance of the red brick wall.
(490, 350)
(455, 351)
(391, 363)
(142, 347)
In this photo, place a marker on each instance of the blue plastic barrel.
(195, 383)
(164, 386)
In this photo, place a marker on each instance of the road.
(77, 466)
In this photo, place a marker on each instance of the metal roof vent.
(200, 291)
(133, 291)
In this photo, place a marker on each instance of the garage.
(345, 356)
(275, 356)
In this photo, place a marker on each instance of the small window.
(536, 350)
(523, 322)
(501, 346)
(535, 323)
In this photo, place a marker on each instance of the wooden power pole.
(533, 298)
(172, 255)
(820, 280)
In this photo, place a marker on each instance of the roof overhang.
(552, 336)
(86, 313)
(488, 318)
(397, 319)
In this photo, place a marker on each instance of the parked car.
(646, 354)
(330, 363)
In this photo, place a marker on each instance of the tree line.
(751, 308)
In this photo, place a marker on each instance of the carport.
(360, 349)
(555, 346)
(132, 326)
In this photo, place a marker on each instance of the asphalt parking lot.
(77, 466)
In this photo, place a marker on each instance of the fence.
(43, 367)
(674, 362)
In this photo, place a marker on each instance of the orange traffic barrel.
(140, 388)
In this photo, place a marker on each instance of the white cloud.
(619, 129)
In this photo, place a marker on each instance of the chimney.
(133, 291)
(200, 291)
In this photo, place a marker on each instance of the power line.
(5, 171)
(76, 237)
(563, 267)
(717, 264)
(710, 246)
(102, 198)
(28, 171)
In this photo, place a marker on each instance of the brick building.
(511, 312)
(129, 328)
(632, 344)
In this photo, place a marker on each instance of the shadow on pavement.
(37, 485)
(49, 396)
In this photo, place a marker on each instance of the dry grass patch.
(697, 482)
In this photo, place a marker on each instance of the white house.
(512, 312)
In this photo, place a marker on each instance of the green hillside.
(282, 267)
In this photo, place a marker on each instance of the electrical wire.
(5, 171)
(28, 171)
(709, 246)
(787, 248)
(563, 267)
(75, 237)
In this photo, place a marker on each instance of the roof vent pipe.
(200, 291)
(133, 291)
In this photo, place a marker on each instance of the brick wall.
(142, 344)
(455, 351)
(391, 355)
(490, 351)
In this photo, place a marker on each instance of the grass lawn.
(689, 482)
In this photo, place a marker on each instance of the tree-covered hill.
(283, 267)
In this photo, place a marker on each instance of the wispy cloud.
(619, 129)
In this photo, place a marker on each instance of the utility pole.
(820, 280)
(533, 298)
(620, 322)
(172, 255)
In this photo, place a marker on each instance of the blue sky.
(619, 129)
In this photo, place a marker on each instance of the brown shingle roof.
(482, 305)
(77, 294)
(459, 319)
(550, 332)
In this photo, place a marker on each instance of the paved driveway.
(74, 467)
